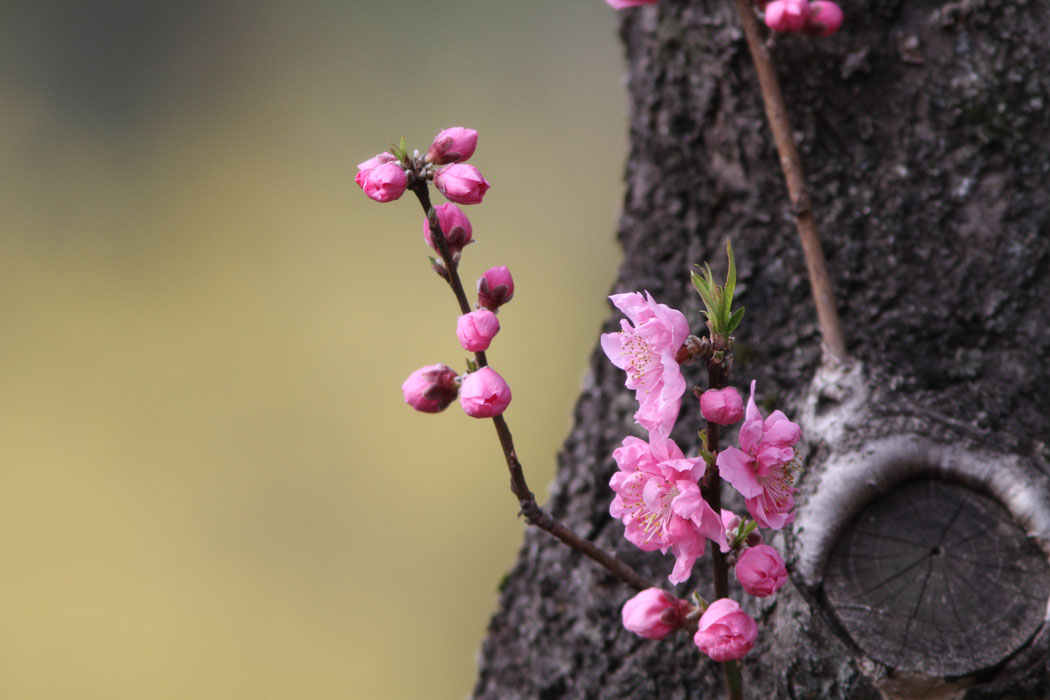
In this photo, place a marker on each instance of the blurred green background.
(209, 483)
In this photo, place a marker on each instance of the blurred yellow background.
(210, 486)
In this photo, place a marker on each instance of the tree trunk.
(923, 129)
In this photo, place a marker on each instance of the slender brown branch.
(711, 489)
(534, 515)
(776, 113)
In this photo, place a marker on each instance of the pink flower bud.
(787, 15)
(477, 329)
(495, 288)
(725, 631)
(369, 165)
(461, 183)
(761, 571)
(431, 389)
(824, 19)
(654, 613)
(385, 182)
(621, 4)
(454, 224)
(453, 146)
(722, 406)
(484, 394)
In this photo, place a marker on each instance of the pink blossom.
(477, 329)
(762, 469)
(484, 394)
(431, 389)
(761, 570)
(725, 631)
(454, 224)
(824, 19)
(461, 183)
(646, 351)
(659, 501)
(452, 145)
(621, 4)
(369, 165)
(787, 15)
(654, 613)
(495, 288)
(722, 406)
(385, 182)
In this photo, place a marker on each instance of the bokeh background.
(209, 484)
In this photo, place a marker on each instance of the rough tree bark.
(924, 132)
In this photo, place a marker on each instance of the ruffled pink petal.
(709, 524)
(736, 467)
(781, 431)
(686, 552)
(688, 500)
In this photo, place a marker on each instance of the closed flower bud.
(484, 394)
(385, 182)
(761, 570)
(787, 15)
(363, 169)
(495, 288)
(454, 224)
(725, 631)
(431, 389)
(722, 406)
(461, 183)
(654, 613)
(824, 19)
(452, 146)
(477, 329)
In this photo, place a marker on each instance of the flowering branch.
(776, 113)
(484, 394)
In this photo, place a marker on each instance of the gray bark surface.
(924, 132)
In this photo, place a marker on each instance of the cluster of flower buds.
(817, 18)
(483, 393)
(724, 631)
(387, 176)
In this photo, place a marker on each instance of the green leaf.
(730, 277)
(735, 320)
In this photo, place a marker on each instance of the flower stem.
(518, 486)
(734, 683)
(776, 114)
(711, 488)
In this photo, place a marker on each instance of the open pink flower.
(654, 613)
(659, 501)
(646, 351)
(761, 570)
(762, 469)
(725, 631)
